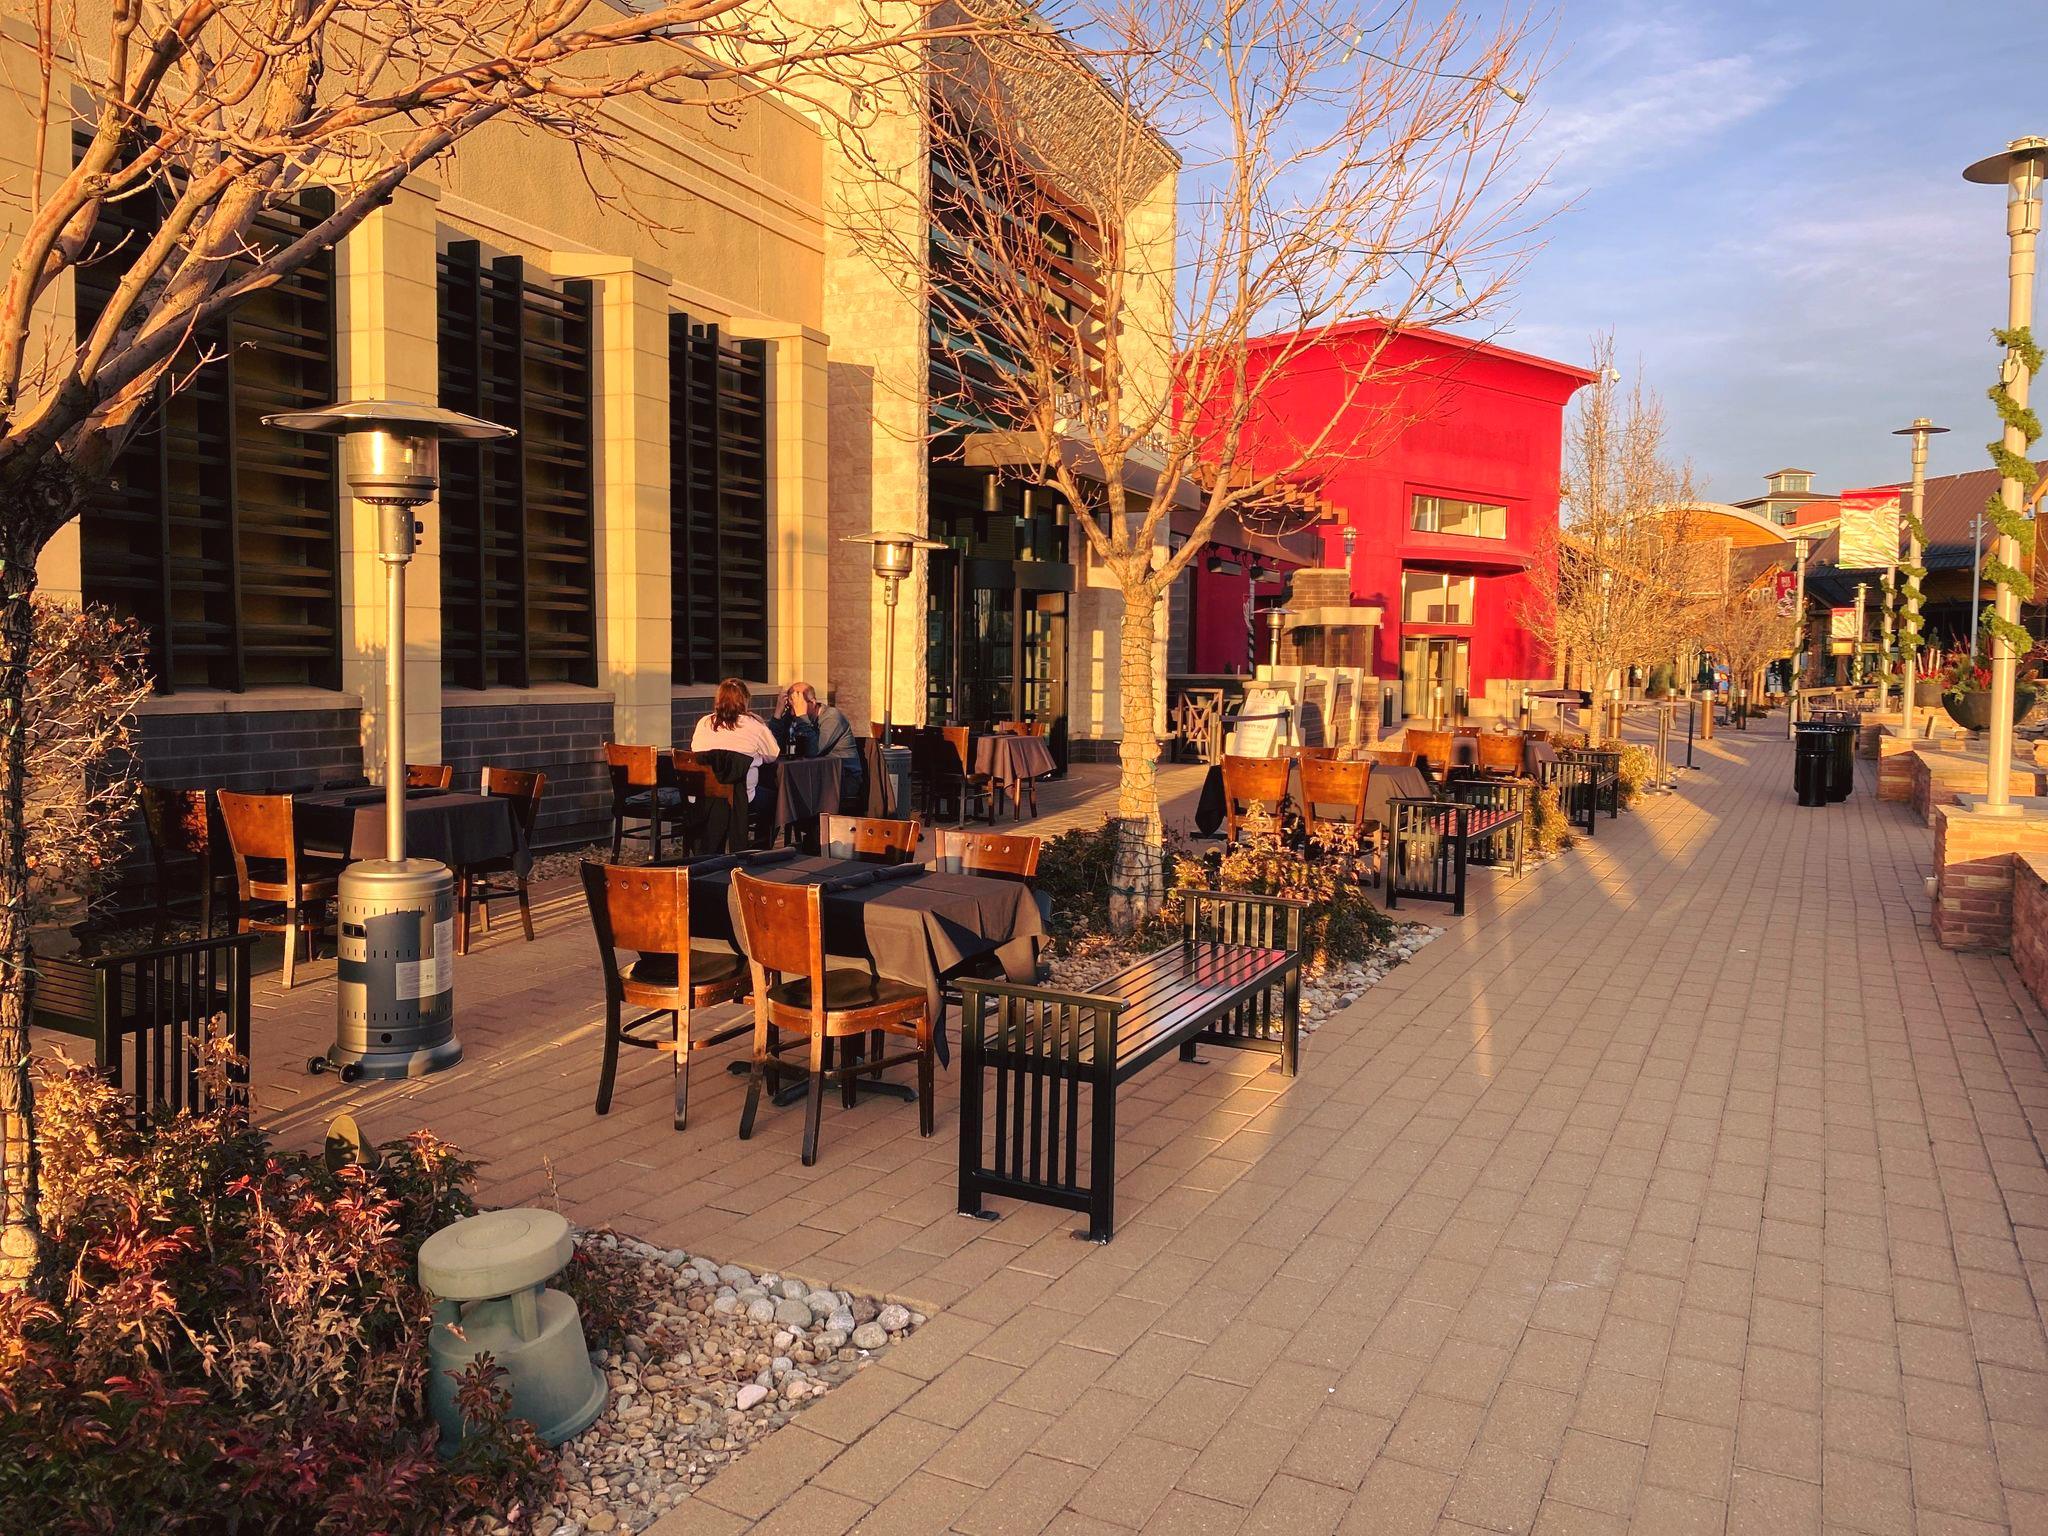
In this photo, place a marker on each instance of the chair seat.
(846, 991)
(708, 967)
(311, 887)
(638, 803)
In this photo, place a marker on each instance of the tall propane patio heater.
(395, 1001)
(894, 556)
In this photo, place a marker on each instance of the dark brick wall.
(563, 739)
(684, 713)
(263, 751)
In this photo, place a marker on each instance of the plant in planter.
(1966, 690)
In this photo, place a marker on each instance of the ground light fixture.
(1920, 431)
(893, 553)
(2020, 168)
(395, 998)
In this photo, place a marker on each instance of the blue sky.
(1769, 214)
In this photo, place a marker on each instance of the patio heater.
(894, 556)
(395, 1001)
(1920, 431)
(2020, 168)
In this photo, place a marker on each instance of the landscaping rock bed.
(719, 1357)
(1322, 992)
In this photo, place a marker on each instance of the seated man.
(824, 731)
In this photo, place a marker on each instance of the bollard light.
(395, 992)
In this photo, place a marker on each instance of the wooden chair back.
(1020, 727)
(782, 928)
(874, 839)
(1249, 780)
(1392, 757)
(990, 853)
(1326, 783)
(177, 823)
(632, 768)
(1310, 754)
(638, 906)
(1435, 746)
(1500, 752)
(1464, 730)
(429, 776)
(260, 827)
(519, 786)
(961, 740)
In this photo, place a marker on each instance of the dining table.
(454, 827)
(909, 923)
(796, 791)
(1007, 760)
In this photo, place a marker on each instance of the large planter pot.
(1927, 694)
(1972, 710)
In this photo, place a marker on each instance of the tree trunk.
(1138, 883)
(20, 1233)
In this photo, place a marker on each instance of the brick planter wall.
(1895, 769)
(563, 738)
(1940, 778)
(2030, 923)
(1973, 871)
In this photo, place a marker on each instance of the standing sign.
(1263, 723)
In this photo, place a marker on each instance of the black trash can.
(1842, 773)
(1813, 755)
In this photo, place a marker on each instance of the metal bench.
(1431, 840)
(1234, 980)
(1588, 781)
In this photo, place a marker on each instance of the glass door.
(1436, 671)
(1041, 626)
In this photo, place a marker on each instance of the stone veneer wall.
(264, 751)
(2030, 923)
(1974, 857)
(563, 738)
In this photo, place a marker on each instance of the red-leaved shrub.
(233, 1338)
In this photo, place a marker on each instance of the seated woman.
(824, 731)
(731, 728)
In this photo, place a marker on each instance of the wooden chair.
(183, 842)
(647, 908)
(1309, 754)
(695, 782)
(784, 936)
(474, 883)
(1391, 757)
(1500, 752)
(951, 777)
(1432, 747)
(1011, 855)
(641, 792)
(429, 776)
(874, 839)
(269, 867)
(1253, 780)
(1329, 786)
(1020, 727)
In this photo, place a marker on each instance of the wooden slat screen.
(219, 534)
(518, 547)
(718, 503)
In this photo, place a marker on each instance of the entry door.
(1435, 669)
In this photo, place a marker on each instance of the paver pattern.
(1683, 1186)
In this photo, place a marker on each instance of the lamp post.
(1920, 431)
(395, 992)
(1856, 645)
(1350, 548)
(894, 556)
(2021, 167)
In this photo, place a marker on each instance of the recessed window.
(1436, 597)
(1469, 519)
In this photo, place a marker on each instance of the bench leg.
(970, 1107)
(1290, 1024)
(1102, 1172)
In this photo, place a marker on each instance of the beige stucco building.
(715, 386)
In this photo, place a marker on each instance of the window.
(1436, 597)
(518, 575)
(718, 503)
(216, 533)
(1470, 519)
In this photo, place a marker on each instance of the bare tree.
(1132, 248)
(1744, 626)
(1616, 586)
(222, 112)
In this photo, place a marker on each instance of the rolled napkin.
(713, 864)
(753, 858)
(843, 883)
(898, 872)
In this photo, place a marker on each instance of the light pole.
(395, 954)
(1800, 546)
(1916, 527)
(894, 555)
(2021, 167)
(1856, 645)
(1600, 661)
(1350, 548)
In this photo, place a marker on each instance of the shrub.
(1550, 830)
(235, 1340)
(1074, 871)
(1341, 925)
(1638, 768)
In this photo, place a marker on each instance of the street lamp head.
(1921, 427)
(392, 454)
(2020, 165)
(893, 550)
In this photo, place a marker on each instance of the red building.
(1446, 470)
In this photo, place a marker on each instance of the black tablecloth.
(1009, 760)
(803, 789)
(457, 829)
(919, 929)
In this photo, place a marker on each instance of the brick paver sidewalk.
(1684, 1186)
